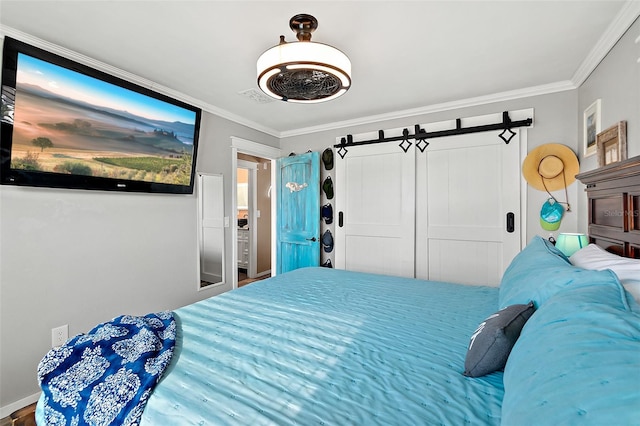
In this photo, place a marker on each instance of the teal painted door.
(298, 233)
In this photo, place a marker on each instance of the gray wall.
(214, 156)
(84, 257)
(616, 82)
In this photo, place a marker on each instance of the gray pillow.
(492, 341)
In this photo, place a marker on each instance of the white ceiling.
(407, 56)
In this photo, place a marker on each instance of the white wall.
(83, 257)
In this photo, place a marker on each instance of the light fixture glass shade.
(570, 243)
(303, 71)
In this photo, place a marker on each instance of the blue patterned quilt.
(105, 377)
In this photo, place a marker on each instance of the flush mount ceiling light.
(304, 71)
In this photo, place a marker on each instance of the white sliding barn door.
(375, 190)
(465, 187)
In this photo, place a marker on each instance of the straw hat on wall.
(550, 167)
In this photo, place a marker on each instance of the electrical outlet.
(59, 335)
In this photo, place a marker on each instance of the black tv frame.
(21, 177)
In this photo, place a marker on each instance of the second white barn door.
(440, 214)
(467, 208)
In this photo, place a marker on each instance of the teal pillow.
(576, 360)
(535, 274)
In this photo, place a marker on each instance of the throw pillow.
(492, 341)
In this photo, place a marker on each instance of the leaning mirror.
(211, 229)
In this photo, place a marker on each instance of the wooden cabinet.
(243, 248)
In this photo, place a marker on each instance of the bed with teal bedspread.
(325, 346)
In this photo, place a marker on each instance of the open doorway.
(254, 235)
(253, 213)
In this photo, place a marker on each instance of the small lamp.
(571, 243)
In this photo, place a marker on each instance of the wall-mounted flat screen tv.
(67, 125)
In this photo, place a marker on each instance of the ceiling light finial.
(304, 71)
(303, 25)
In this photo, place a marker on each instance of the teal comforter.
(325, 346)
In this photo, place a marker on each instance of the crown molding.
(616, 29)
(544, 89)
(133, 78)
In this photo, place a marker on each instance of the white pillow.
(633, 287)
(596, 258)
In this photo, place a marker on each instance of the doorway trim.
(244, 146)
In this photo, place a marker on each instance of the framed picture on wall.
(612, 144)
(591, 128)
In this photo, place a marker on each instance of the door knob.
(312, 239)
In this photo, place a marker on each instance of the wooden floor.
(244, 280)
(22, 417)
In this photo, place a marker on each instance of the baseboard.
(8, 409)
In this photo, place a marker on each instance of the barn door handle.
(511, 222)
(340, 219)
(312, 239)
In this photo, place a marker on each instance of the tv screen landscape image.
(67, 125)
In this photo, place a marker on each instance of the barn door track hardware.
(421, 136)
